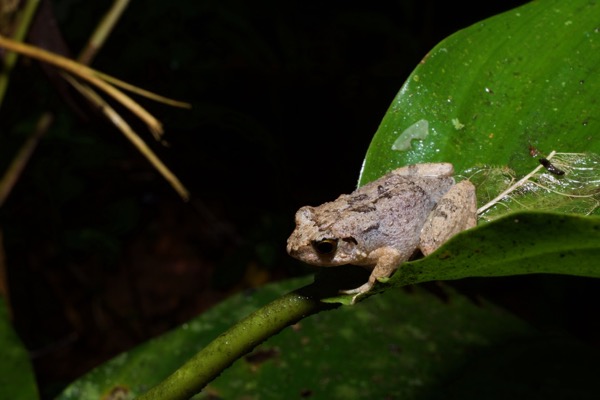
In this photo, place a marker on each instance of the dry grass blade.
(82, 71)
(19, 162)
(102, 31)
(106, 83)
(130, 134)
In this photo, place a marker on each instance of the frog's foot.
(359, 290)
(388, 259)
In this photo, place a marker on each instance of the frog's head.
(317, 245)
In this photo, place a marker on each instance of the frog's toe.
(358, 291)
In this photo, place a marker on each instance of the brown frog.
(382, 224)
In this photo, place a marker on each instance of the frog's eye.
(325, 246)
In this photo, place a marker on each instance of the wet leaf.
(570, 183)
(526, 79)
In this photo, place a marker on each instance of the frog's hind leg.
(455, 212)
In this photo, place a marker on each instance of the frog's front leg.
(387, 261)
(455, 212)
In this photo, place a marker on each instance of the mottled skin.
(381, 224)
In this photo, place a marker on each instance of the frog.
(410, 210)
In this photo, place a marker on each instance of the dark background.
(286, 96)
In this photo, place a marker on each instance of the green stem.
(10, 58)
(237, 341)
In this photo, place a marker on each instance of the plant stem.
(102, 31)
(237, 341)
(10, 58)
(18, 163)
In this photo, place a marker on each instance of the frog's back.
(393, 210)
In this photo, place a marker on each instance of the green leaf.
(523, 243)
(528, 77)
(397, 345)
(17, 381)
